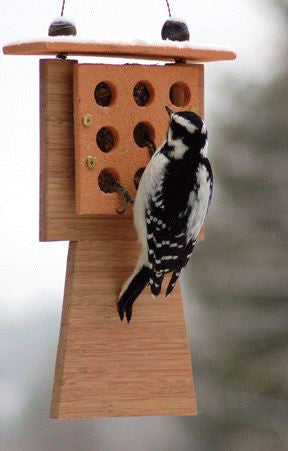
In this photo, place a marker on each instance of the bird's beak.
(169, 111)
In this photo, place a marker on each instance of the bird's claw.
(151, 146)
(125, 196)
(125, 204)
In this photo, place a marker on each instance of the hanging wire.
(168, 6)
(63, 6)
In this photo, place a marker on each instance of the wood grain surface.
(108, 368)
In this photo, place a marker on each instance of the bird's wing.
(166, 246)
(165, 241)
(199, 200)
(166, 235)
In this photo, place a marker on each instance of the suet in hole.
(143, 134)
(107, 180)
(179, 94)
(104, 94)
(106, 139)
(137, 177)
(143, 93)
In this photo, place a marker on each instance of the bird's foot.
(125, 196)
(109, 184)
(151, 146)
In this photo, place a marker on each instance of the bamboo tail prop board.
(105, 368)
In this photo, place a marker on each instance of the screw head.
(91, 162)
(87, 120)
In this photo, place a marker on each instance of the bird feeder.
(92, 121)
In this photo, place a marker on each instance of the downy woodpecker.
(171, 204)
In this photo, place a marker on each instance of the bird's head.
(186, 133)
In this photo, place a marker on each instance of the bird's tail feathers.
(131, 291)
(172, 283)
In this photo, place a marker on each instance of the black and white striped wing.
(167, 245)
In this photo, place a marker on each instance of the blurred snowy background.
(236, 284)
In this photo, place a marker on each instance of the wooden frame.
(101, 362)
(105, 367)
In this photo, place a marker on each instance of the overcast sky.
(32, 273)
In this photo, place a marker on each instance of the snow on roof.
(154, 43)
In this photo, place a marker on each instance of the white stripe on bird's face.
(191, 128)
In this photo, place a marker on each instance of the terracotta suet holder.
(95, 122)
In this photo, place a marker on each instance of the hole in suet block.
(143, 134)
(107, 179)
(104, 94)
(143, 93)
(179, 94)
(106, 139)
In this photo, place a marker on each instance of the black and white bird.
(171, 204)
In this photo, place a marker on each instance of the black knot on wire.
(62, 27)
(175, 30)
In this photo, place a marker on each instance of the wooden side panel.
(58, 220)
(108, 368)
